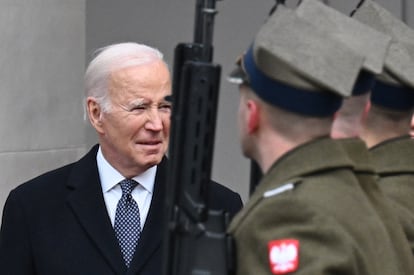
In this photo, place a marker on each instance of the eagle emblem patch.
(283, 256)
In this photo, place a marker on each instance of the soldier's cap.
(394, 88)
(298, 67)
(370, 43)
(391, 96)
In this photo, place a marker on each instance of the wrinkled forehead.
(151, 73)
(150, 68)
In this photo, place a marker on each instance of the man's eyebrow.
(138, 101)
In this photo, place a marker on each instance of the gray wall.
(42, 52)
(45, 45)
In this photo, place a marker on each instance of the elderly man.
(104, 213)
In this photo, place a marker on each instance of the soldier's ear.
(366, 110)
(253, 116)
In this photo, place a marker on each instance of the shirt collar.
(110, 177)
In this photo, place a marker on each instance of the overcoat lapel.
(86, 201)
(153, 231)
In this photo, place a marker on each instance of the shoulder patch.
(279, 190)
(283, 256)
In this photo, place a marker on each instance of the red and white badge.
(283, 256)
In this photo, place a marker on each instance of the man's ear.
(253, 116)
(94, 113)
(366, 110)
(412, 127)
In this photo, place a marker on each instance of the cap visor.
(237, 76)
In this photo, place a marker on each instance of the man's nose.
(154, 122)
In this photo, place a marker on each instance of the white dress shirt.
(112, 192)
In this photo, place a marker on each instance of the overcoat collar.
(87, 202)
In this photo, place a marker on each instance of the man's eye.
(165, 107)
(138, 108)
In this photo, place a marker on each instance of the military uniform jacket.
(394, 162)
(399, 260)
(307, 216)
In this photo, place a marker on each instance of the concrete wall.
(42, 52)
(45, 45)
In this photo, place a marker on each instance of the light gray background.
(45, 44)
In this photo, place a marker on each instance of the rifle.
(195, 240)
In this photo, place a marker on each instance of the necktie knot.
(127, 185)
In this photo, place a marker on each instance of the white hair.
(112, 58)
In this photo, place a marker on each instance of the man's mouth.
(150, 144)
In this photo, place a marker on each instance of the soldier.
(308, 215)
(374, 46)
(387, 126)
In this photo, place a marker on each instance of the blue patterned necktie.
(127, 221)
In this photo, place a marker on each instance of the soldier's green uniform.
(394, 162)
(365, 172)
(374, 46)
(311, 195)
(394, 92)
(309, 214)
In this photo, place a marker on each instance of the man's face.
(134, 133)
(243, 120)
(412, 127)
